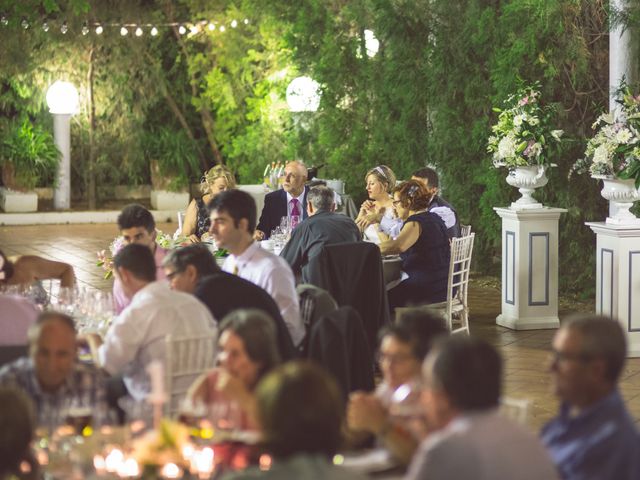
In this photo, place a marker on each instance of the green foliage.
(31, 152)
(175, 155)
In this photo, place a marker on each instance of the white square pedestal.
(18, 202)
(529, 268)
(163, 200)
(618, 278)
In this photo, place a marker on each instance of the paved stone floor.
(525, 353)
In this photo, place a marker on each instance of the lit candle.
(128, 469)
(99, 464)
(170, 470)
(113, 460)
(204, 462)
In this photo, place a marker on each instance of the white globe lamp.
(303, 95)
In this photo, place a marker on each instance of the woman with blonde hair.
(376, 213)
(423, 245)
(196, 220)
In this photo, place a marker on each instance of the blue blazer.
(275, 207)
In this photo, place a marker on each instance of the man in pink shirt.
(137, 225)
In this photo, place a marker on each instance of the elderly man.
(429, 177)
(233, 222)
(290, 202)
(192, 269)
(137, 226)
(137, 336)
(323, 227)
(52, 377)
(594, 436)
(473, 440)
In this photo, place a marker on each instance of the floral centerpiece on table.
(614, 150)
(523, 134)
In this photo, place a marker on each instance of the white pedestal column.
(618, 278)
(529, 268)
(62, 138)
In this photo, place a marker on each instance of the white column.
(529, 268)
(622, 59)
(62, 137)
(618, 278)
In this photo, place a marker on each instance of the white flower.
(557, 134)
(533, 121)
(507, 147)
(623, 136)
(517, 120)
(601, 154)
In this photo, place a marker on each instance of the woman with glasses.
(247, 350)
(196, 220)
(423, 245)
(376, 213)
(393, 414)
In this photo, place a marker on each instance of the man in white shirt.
(137, 336)
(471, 439)
(233, 222)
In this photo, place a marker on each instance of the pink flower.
(523, 101)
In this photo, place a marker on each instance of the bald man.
(289, 202)
(53, 378)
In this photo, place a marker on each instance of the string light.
(222, 29)
(246, 21)
(99, 30)
(139, 32)
(85, 29)
(182, 30)
(45, 26)
(24, 24)
(64, 28)
(234, 23)
(4, 20)
(154, 31)
(124, 31)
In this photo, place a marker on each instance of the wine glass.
(406, 410)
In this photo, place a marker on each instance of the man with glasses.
(593, 437)
(289, 202)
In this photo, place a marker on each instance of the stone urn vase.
(621, 193)
(526, 180)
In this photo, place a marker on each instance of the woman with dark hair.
(423, 245)
(16, 432)
(299, 410)
(196, 220)
(29, 270)
(247, 351)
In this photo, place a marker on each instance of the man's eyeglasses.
(392, 359)
(557, 357)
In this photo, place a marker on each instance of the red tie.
(295, 209)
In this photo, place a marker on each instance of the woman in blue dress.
(423, 245)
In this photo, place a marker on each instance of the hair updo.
(414, 195)
(214, 173)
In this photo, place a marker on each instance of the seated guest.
(196, 220)
(16, 433)
(429, 178)
(137, 226)
(247, 351)
(28, 271)
(594, 436)
(192, 269)
(17, 314)
(403, 347)
(322, 227)
(52, 376)
(137, 336)
(462, 384)
(377, 214)
(299, 409)
(423, 245)
(233, 221)
(290, 202)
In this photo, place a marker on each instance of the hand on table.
(193, 238)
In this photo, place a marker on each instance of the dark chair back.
(12, 352)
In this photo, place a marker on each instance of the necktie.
(295, 207)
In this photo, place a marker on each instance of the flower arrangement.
(615, 148)
(523, 134)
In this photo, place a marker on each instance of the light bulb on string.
(64, 28)
(124, 31)
(99, 30)
(193, 29)
(246, 21)
(139, 32)
(182, 30)
(222, 29)
(234, 23)
(85, 29)
(45, 26)
(211, 26)
(154, 31)
(24, 24)
(4, 20)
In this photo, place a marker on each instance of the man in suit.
(291, 201)
(323, 227)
